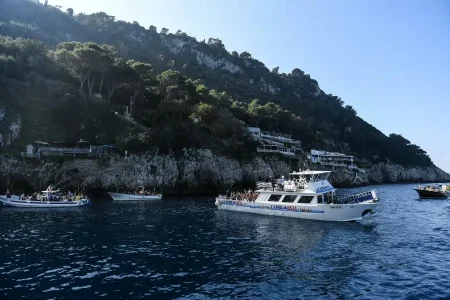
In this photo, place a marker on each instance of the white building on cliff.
(333, 159)
(271, 142)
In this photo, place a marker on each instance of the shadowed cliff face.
(197, 171)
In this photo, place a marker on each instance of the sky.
(390, 60)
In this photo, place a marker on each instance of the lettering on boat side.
(335, 206)
(270, 207)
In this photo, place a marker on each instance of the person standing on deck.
(281, 182)
(273, 182)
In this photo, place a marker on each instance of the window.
(319, 199)
(305, 199)
(274, 198)
(289, 198)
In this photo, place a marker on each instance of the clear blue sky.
(390, 60)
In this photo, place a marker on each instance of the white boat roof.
(309, 172)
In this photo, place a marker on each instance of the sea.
(184, 248)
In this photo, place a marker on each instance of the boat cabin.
(304, 198)
(303, 187)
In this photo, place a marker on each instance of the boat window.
(289, 198)
(319, 199)
(274, 198)
(305, 199)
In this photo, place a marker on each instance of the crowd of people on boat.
(247, 195)
(429, 188)
(56, 196)
(279, 184)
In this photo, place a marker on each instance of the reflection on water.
(186, 248)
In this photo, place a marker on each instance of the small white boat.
(44, 202)
(139, 194)
(307, 195)
(119, 196)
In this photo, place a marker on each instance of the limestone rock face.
(196, 170)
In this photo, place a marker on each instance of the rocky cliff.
(66, 77)
(388, 173)
(197, 171)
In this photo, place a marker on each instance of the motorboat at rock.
(433, 191)
(139, 194)
(46, 199)
(305, 195)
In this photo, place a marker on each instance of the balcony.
(275, 149)
(277, 136)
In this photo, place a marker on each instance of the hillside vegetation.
(63, 75)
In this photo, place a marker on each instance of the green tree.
(206, 112)
(245, 55)
(169, 78)
(201, 89)
(81, 60)
(70, 12)
(216, 43)
(119, 73)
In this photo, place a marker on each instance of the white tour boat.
(139, 194)
(306, 195)
(47, 199)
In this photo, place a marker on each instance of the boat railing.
(262, 185)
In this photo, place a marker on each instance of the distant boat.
(45, 200)
(139, 194)
(306, 195)
(433, 191)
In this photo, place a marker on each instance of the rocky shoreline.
(196, 171)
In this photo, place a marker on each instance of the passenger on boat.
(246, 195)
(8, 194)
(274, 182)
(281, 183)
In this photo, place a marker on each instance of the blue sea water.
(185, 248)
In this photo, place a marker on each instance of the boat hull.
(424, 194)
(127, 197)
(15, 202)
(322, 212)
